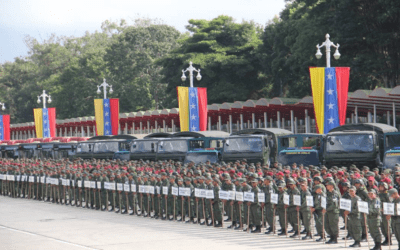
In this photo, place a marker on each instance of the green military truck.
(303, 149)
(359, 144)
(254, 145)
(392, 150)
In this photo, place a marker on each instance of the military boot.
(282, 233)
(364, 238)
(256, 230)
(307, 237)
(377, 246)
(356, 244)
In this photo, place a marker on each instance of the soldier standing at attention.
(374, 218)
(354, 223)
(393, 193)
(332, 212)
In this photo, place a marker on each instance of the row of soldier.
(169, 191)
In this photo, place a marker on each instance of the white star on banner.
(192, 94)
(106, 114)
(45, 122)
(107, 132)
(330, 91)
(331, 120)
(107, 123)
(192, 106)
(330, 76)
(193, 117)
(193, 128)
(331, 105)
(106, 104)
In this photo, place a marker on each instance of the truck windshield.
(169, 146)
(203, 157)
(391, 159)
(102, 147)
(392, 141)
(245, 144)
(142, 146)
(84, 148)
(350, 143)
(305, 158)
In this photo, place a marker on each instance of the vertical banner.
(107, 116)
(192, 108)
(46, 127)
(52, 121)
(183, 100)
(5, 127)
(330, 91)
(38, 114)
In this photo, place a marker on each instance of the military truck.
(103, 147)
(359, 144)
(303, 149)
(392, 150)
(191, 144)
(254, 145)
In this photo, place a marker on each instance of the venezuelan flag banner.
(45, 122)
(107, 116)
(329, 89)
(4, 127)
(192, 108)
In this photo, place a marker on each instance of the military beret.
(384, 184)
(317, 178)
(359, 181)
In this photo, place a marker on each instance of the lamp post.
(191, 69)
(104, 85)
(44, 96)
(3, 107)
(328, 45)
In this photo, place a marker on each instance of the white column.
(253, 120)
(70, 130)
(265, 120)
(83, 131)
(292, 120)
(29, 134)
(173, 125)
(94, 130)
(278, 119)
(374, 113)
(283, 123)
(148, 127)
(259, 123)
(237, 125)
(133, 128)
(295, 125)
(230, 124)
(306, 121)
(248, 123)
(156, 125)
(219, 123)
(394, 115)
(76, 131)
(241, 121)
(369, 116)
(271, 123)
(209, 123)
(88, 131)
(65, 132)
(356, 114)
(352, 118)
(164, 127)
(126, 128)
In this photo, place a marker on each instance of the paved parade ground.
(28, 224)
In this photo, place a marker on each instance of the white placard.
(120, 187)
(274, 198)
(297, 200)
(285, 199)
(150, 189)
(12, 178)
(73, 183)
(42, 179)
(18, 177)
(196, 192)
(92, 184)
(165, 190)
(323, 202)
(158, 189)
(31, 178)
(48, 180)
(203, 193)
(231, 195)
(23, 178)
(363, 207)
(182, 191)
(209, 194)
(239, 196)
(1, 177)
(86, 184)
(133, 188)
(223, 195)
(107, 185)
(79, 183)
(388, 208)
(345, 204)
(261, 197)
(126, 188)
(398, 209)
(141, 189)
(174, 191)
(248, 196)
(99, 185)
(112, 185)
(310, 201)
(64, 182)
(67, 182)
(56, 181)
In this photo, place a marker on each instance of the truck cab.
(392, 150)
(254, 145)
(300, 148)
(359, 144)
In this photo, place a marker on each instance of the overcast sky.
(40, 18)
